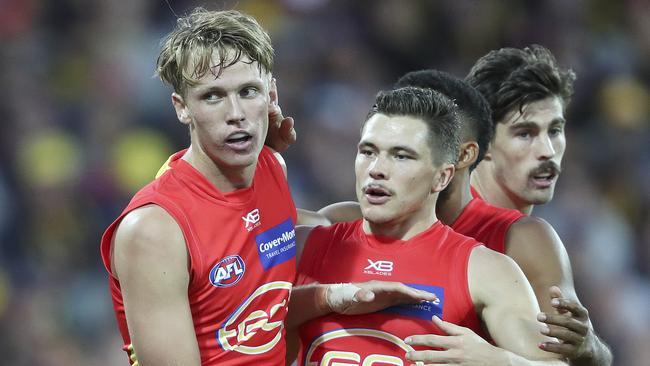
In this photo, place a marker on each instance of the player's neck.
(224, 179)
(457, 196)
(405, 227)
(494, 194)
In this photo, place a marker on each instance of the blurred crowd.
(86, 124)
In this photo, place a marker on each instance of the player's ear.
(467, 155)
(181, 109)
(273, 91)
(443, 177)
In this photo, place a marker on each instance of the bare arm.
(538, 250)
(509, 307)
(328, 215)
(341, 211)
(505, 302)
(150, 261)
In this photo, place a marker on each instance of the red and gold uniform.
(242, 251)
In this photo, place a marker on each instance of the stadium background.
(85, 125)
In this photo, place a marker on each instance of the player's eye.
(556, 131)
(249, 92)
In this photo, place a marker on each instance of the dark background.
(85, 124)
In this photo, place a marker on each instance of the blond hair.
(187, 52)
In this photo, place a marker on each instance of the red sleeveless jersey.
(242, 250)
(435, 260)
(486, 223)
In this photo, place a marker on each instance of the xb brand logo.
(252, 219)
(383, 268)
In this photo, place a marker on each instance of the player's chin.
(376, 214)
(540, 197)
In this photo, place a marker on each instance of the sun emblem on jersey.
(228, 271)
(256, 326)
(351, 347)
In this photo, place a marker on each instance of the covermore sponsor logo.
(277, 244)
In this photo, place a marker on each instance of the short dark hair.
(473, 109)
(511, 78)
(438, 112)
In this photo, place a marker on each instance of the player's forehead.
(228, 72)
(540, 113)
(386, 131)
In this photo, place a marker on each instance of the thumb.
(449, 328)
(364, 295)
(555, 292)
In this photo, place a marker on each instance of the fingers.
(565, 349)
(364, 295)
(287, 131)
(449, 328)
(437, 357)
(563, 334)
(399, 290)
(431, 340)
(563, 305)
(566, 322)
(555, 292)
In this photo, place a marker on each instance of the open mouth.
(376, 194)
(544, 180)
(238, 138)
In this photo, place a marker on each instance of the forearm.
(307, 302)
(513, 359)
(602, 356)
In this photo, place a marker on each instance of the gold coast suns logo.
(256, 325)
(357, 347)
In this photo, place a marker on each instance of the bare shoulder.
(535, 228)
(492, 275)
(533, 240)
(487, 262)
(538, 250)
(147, 235)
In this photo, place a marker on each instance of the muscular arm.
(507, 306)
(341, 211)
(538, 250)
(150, 260)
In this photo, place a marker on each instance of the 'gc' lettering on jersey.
(334, 358)
(256, 326)
(356, 347)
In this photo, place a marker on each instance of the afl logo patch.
(228, 271)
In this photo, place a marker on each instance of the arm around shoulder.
(150, 261)
(506, 303)
(538, 250)
(535, 246)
